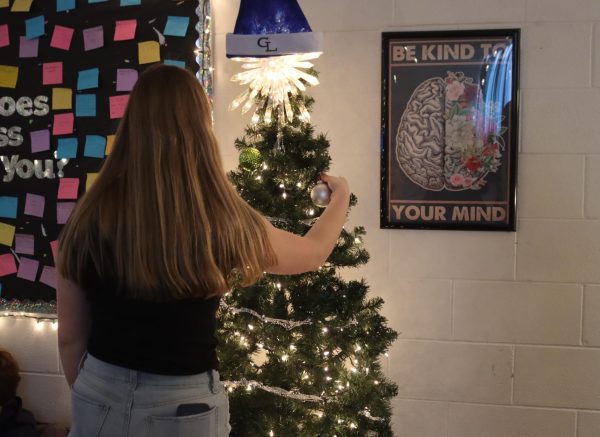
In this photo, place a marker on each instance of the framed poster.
(66, 71)
(450, 129)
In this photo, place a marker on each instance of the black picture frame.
(450, 129)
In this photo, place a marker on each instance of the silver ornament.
(321, 195)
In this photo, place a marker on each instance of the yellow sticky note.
(8, 76)
(148, 52)
(21, 5)
(3, 3)
(62, 98)
(91, 178)
(110, 139)
(7, 234)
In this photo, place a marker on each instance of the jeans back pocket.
(88, 416)
(197, 425)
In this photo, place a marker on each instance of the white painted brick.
(224, 14)
(591, 315)
(420, 308)
(35, 351)
(557, 377)
(588, 424)
(409, 12)
(551, 186)
(556, 55)
(596, 55)
(493, 421)
(559, 10)
(560, 120)
(47, 396)
(559, 251)
(514, 312)
(419, 418)
(325, 15)
(449, 371)
(592, 187)
(451, 254)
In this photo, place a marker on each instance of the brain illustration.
(447, 138)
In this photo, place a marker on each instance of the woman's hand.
(337, 184)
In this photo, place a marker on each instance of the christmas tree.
(300, 353)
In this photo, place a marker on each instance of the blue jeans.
(113, 401)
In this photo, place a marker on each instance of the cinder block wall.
(499, 332)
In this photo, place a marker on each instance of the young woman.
(145, 258)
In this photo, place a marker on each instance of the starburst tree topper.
(274, 42)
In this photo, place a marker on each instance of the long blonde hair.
(162, 220)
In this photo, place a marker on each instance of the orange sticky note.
(7, 234)
(54, 248)
(4, 38)
(8, 76)
(110, 139)
(61, 38)
(117, 105)
(21, 6)
(7, 265)
(148, 52)
(3, 3)
(125, 29)
(91, 178)
(63, 124)
(52, 73)
(62, 98)
(67, 188)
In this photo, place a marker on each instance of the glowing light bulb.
(55, 325)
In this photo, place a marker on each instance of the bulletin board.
(66, 70)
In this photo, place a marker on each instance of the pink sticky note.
(67, 188)
(24, 243)
(125, 29)
(93, 38)
(7, 265)
(4, 40)
(52, 73)
(48, 276)
(40, 140)
(28, 269)
(126, 79)
(34, 205)
(63, 124)
(54, 248)
(117, 105)
(63, 212)
(61, 38)
(28, 48)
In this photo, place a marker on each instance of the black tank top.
(169, 338)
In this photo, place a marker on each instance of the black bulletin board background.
(113, 55)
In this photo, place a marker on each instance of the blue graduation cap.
(266, 28)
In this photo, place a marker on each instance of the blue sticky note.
(131, 2)
(85, 105)
(34, 27)
(176, 26)
(67, 148)
(8, 207)
(94, 146)
(65, 5)
(180, 64)
(88, 79)
(97, 1)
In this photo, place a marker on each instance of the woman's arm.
(296, 254)
(73, 326)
